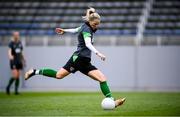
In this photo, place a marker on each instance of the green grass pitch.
(88, 104)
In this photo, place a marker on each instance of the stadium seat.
(164, 18)
(118, 16)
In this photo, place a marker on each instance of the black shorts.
(81, 64)
(14, 64)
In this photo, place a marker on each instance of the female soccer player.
(16, 58)
(81, 59)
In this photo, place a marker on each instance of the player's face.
(95, 23)
(16, 36)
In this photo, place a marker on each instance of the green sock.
(10, 82)
(105, 89)
(48, 72)
(16, 85)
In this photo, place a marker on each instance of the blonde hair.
(91, 15)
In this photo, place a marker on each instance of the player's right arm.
(11, 57)
(62, 31)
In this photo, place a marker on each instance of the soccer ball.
(108, 104)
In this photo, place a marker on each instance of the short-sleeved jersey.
(16, 50)
(82, 50)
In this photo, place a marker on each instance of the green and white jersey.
(85, 33)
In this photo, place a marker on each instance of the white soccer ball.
(108, 104)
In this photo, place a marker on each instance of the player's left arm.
(89, 45)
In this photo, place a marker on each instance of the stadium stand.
(40, 18)
(164, 18)
(119, 18)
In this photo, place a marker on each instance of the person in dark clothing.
(16, 57)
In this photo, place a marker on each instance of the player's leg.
(19, 67)
(11, 80)
(88, 69)
(17, 82)
(99, 76)
(47, 72)
(64, 71)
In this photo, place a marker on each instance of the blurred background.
(141, 39)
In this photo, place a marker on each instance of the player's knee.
(59, 75)
(102, 79)
(15, 75)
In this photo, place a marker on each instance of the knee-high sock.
(16, 85)
(105, 89)
(47, 72)
(11, 80)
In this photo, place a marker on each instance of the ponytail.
(91, 15)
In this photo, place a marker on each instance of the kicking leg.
(99, 76)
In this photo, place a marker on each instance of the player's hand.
(59, 31)
(103, 57)
(11, 57)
